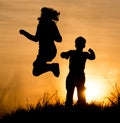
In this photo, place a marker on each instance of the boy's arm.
(65, 55)
(92, 54)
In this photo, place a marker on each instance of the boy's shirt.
(77, 60)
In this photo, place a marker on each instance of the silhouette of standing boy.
(46, 33)
(76, 76)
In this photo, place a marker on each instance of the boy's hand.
(64, 55)
(90, 50)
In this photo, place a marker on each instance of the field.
(57, 112)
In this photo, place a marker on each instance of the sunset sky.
(97, 21)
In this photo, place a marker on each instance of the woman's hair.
(50, 13)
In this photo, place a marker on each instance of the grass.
(50, 109)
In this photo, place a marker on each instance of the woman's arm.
(28, 35)
(57, 35)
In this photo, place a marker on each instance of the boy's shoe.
(55, 69)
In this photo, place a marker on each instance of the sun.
(91, 92)
(94, 92)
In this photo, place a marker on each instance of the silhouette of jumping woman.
(76, 76)
(46, 33)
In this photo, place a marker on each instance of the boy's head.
(80, 42)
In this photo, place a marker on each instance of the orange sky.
(97, 21)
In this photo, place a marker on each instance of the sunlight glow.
(75, 95)
(94, 92)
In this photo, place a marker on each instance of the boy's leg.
(81, 96)
(70, 91)
(69, 98)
